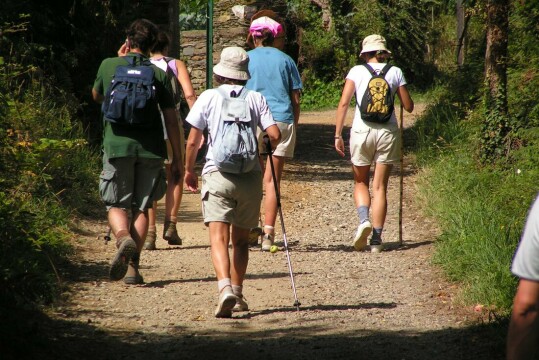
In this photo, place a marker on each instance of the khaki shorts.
(131, 182)
(232, 198)
(182, 145)
(375, 145)
(288, 141)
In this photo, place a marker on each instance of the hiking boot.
(170, 233)
(254, 234)
(363, 231)
(133, 277)
(376, 245)
(126, 249)
(241, 304)
(267, 242)
(149, 243)
(227, 301)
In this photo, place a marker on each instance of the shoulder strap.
(385, 69)
(243, 93)
(370, 69)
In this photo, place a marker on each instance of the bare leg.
(270, 200)
(379, 199)
(240, 254)
(173, 199)
(361, 185)
(219, 239)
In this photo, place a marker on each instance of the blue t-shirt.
(275, 75)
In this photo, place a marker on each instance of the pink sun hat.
(262, 23)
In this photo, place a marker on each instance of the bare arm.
(523, 336)
(98, 98)
(294, 98)
(274, 135)
(347, 93)
(406, 99)
(192, 146)
(173, 132)
(185, 82)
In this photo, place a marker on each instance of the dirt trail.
(393, 305)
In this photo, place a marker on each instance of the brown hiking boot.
(170, 233)
(133, 277)
(149, 243)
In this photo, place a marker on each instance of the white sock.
(268, 229)
(221, 284)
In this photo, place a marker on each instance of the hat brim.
(374, 48)
(228, 73)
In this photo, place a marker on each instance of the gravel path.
(354, 305)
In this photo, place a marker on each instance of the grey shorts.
(232, 198)
(131, 182)
(375, 145)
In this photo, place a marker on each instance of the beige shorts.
(288, 141)
(182, 145)
(232, 198)
(375, 145)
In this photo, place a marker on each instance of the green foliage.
(48, 172)
(320, 94)
(193, 15)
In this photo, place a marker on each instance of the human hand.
(124, 49)
(339, 146)
(191, 181)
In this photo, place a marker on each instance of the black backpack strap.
(371, 70)
(385, 69)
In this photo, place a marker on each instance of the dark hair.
(142, 34)
(381, 56)
(223, 80)
(162, 43)
(267, 37)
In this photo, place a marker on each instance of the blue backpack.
(131, 97)
(235, 150)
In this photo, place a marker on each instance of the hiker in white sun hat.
(230, 200)
(234, 64)
(374, 136)
(374, 43)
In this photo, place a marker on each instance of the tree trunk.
(496, 125)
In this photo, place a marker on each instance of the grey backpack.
(235, 149)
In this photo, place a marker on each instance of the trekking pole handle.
(267, 143)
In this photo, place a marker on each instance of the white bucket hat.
(234, 64)
(374, 43)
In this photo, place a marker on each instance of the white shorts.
(288, 141)
(375, 145)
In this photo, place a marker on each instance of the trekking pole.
(107, 235)
(401, 174)
(278, 196)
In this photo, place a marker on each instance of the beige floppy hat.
(234, 64)
(374, 43)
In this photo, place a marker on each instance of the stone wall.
(231, 21)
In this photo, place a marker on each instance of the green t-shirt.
(125, 141)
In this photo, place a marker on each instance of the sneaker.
(376, 245)
(363, 231)
(170, 233)
(254, 234)
(149, 243)
(241, 304)
(267, 242)
(133, 277)
(118, 266)
(227, 301)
